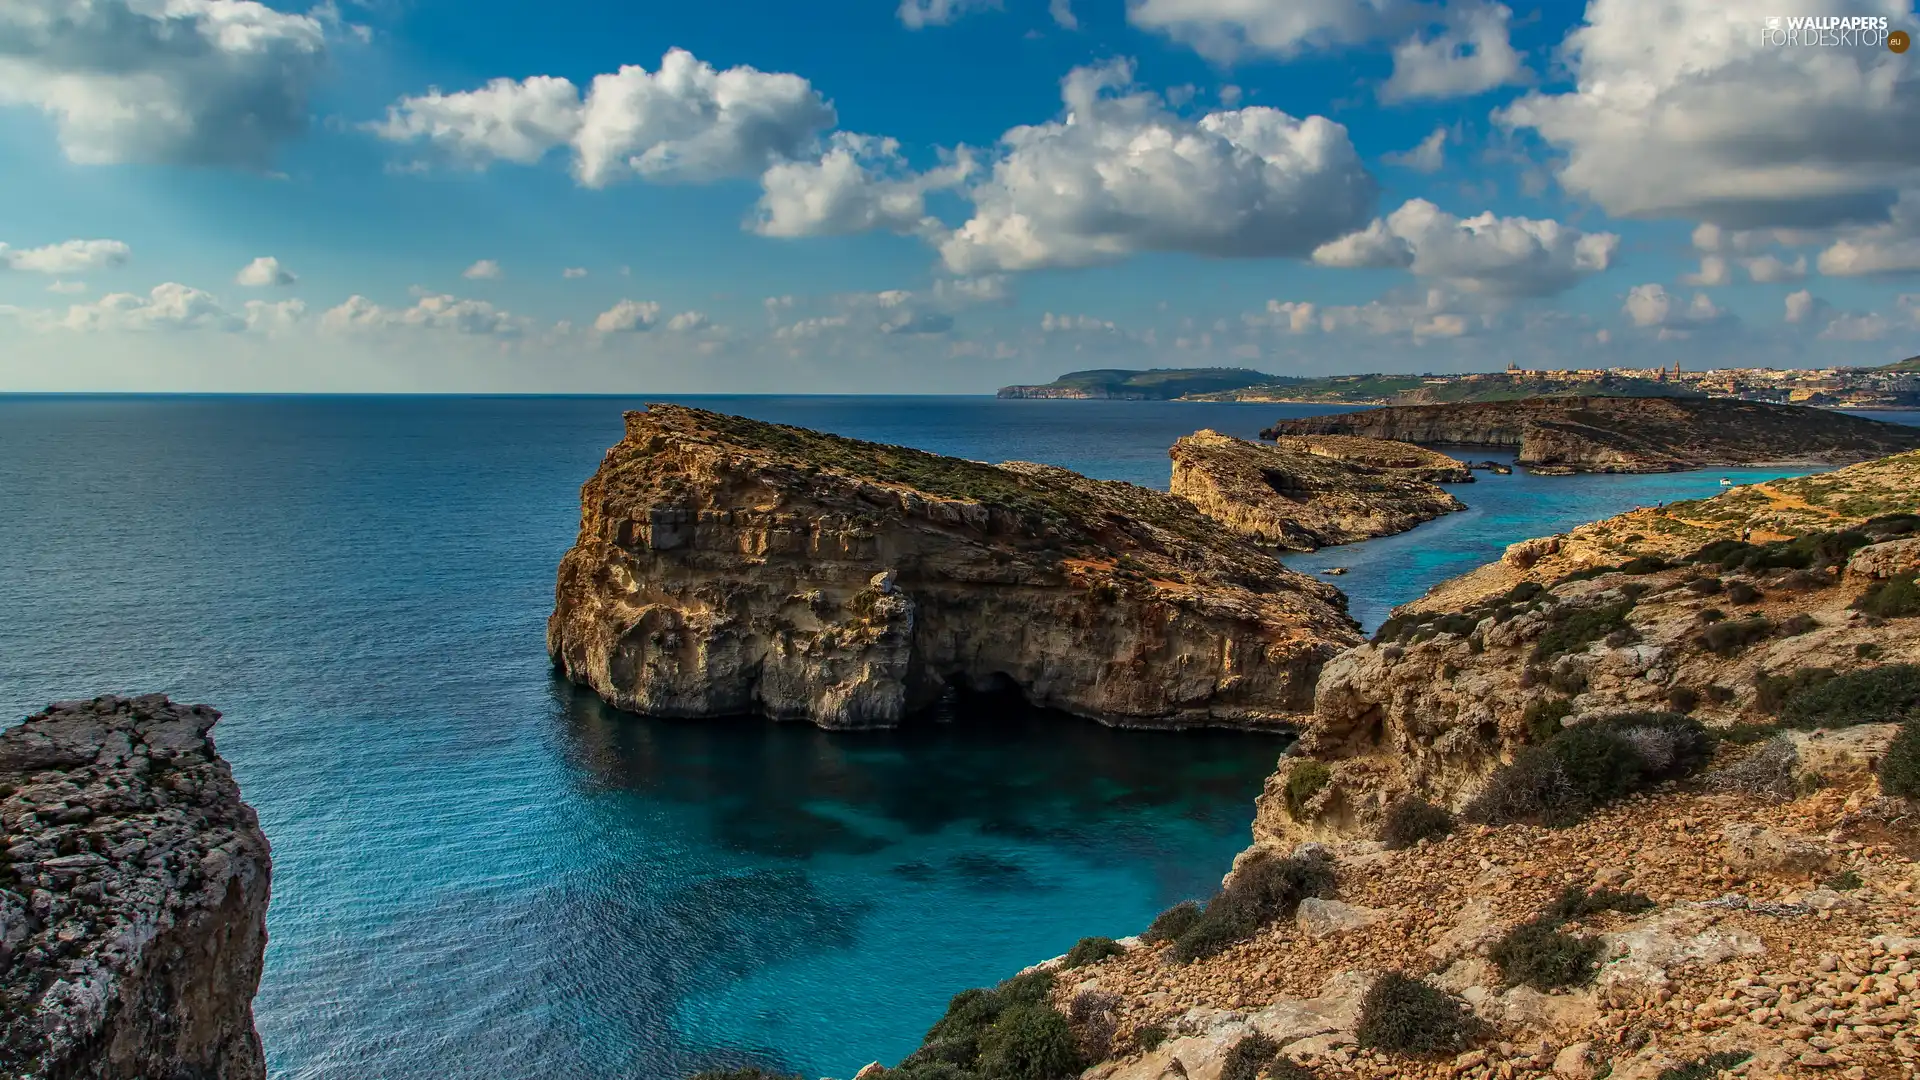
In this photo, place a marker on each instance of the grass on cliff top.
(1071, 504)
(935, 474)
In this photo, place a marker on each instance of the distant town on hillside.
(1893, 386)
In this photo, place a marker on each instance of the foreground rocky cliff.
(1304, 493)
(133, 898)
(1654, 819)
(728, 566)
(1626, 435)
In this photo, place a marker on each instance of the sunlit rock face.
(727, 566)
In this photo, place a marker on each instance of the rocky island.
(133, 898)
(727, 566)
(1656, 819)
(1307, 492)
(1626, 435)
(1156, 384)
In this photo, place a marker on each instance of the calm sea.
(480, 873)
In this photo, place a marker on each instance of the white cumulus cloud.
(918, 14)
(1427, 157)
(1471, 55)
(1121, 173)
(572, 272)
(627, 316)
(483, 270)
(170, 306)
(263, 271)
(430, 312)
(72, 257)
(195, 82)
(859, 183)
(1679, 109)
(1499, 256)
(1652, 307)
(686, 122)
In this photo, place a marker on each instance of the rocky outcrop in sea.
(728, 566)
(1626, 435)
(133, 898)
(1309, 492)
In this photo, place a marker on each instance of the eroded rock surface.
(1626, 435)
(728, 566)
(1308, 493)
(133, 898)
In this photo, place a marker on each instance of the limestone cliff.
(1311, 492)
(133, 900)
(1626, 435)
(1691, 618)
(728, 566)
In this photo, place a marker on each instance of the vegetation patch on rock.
(1264, 888)
(1404, 1015)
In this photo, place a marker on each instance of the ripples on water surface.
(481, 873)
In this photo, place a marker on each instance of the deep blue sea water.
(480, 873)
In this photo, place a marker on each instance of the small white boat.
(1724, 482)
(1334, 571)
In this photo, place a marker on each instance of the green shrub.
(1412, 819)
(1683, 699)
(1894, 598)
(1799, 623)
(1543, 716)
(1703, 586)
(1304, 781)
(1264, 888)
(1570, 680)
(1575, 903)
(1746, 734)
(1150, 1037)
(1772, 691)
(1867, 650)
(1538, 954)
(1712, 615)
(1570, 630)
(1092, 950)
(1844, 881)
(1729, 638)
(1249, 1057)
(1525, 591)
(1403, 1015)
(1029, 1042)
(1560, 781)
(1884, 694)
(1284, 1068)
(959, 1037)
(1741, 592)
(1172, 922)
(1900, 769)
(1706, 1068)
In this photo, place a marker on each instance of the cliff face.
(1629, 435)
(134, 897)
(727, 566)
(1312, 492)
(1441, 698)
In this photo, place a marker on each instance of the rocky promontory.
(729, 566)
(1626, 434)
(1309, 492)
(133, 898)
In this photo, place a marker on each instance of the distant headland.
(1892, 386)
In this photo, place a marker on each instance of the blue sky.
(938, 195)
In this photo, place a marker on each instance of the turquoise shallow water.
(481, 873)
